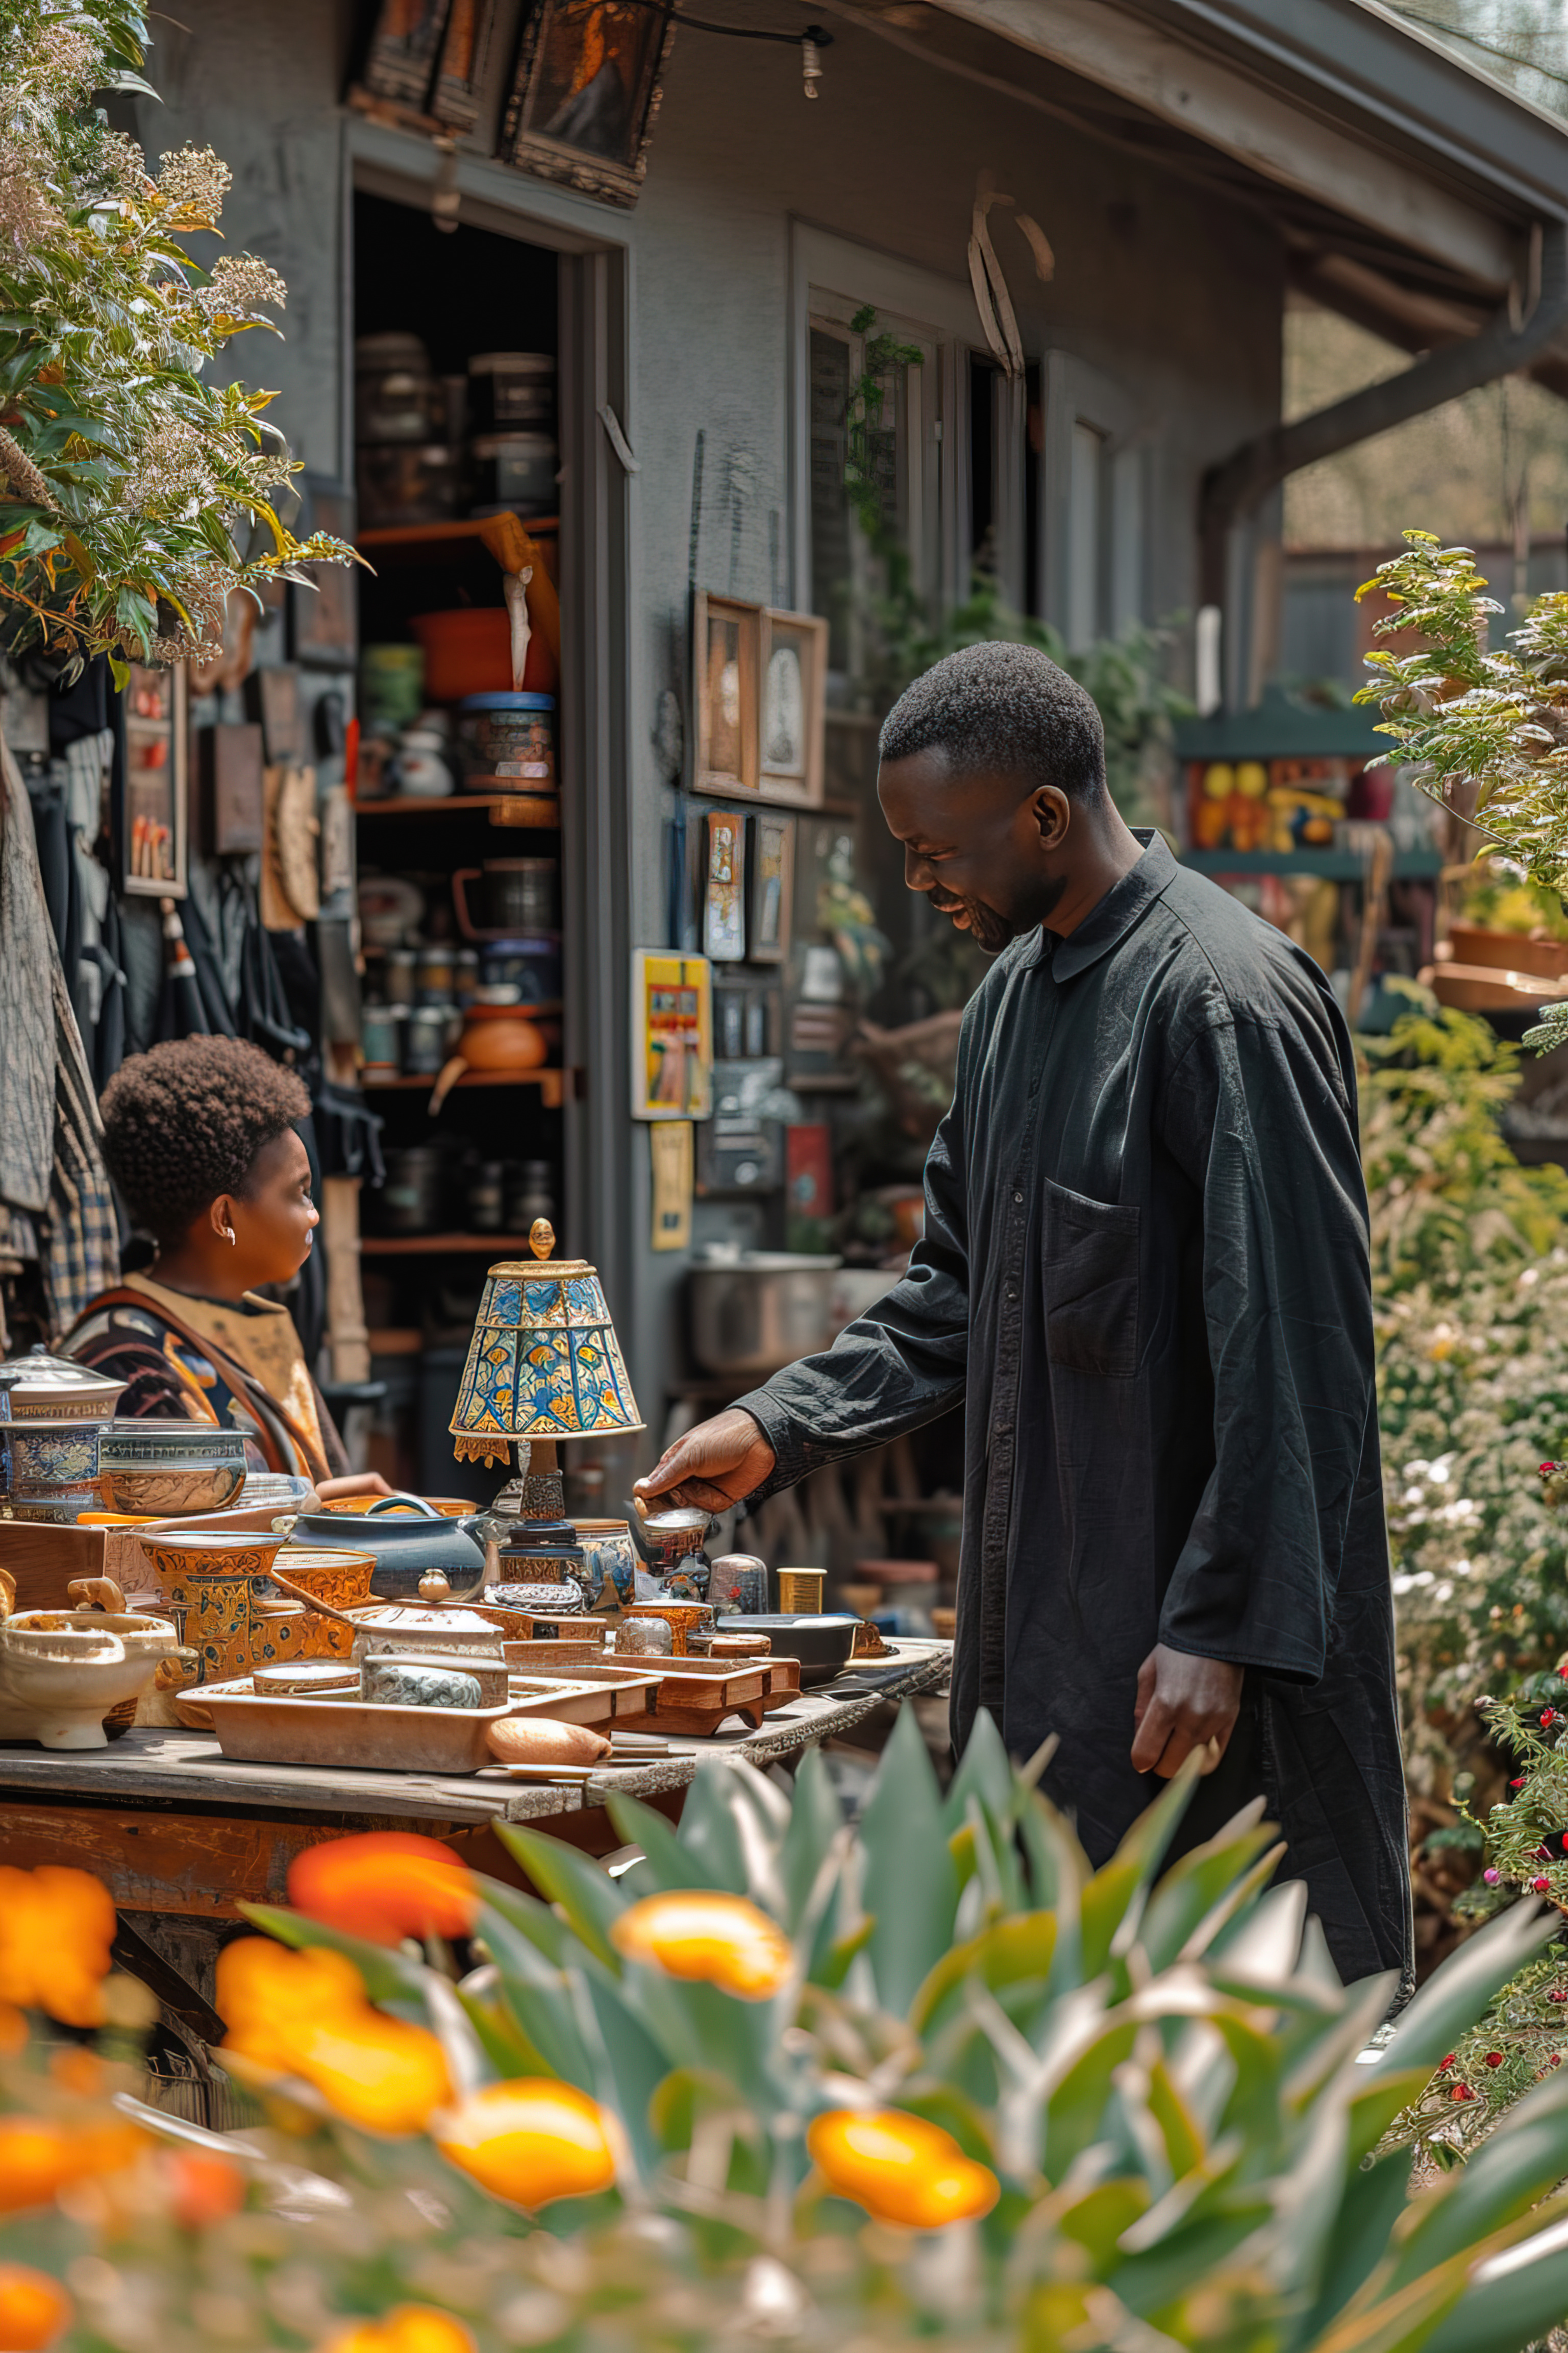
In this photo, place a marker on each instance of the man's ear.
(1053, 816)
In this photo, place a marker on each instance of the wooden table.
(173, 1828)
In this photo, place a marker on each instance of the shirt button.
(1017, 1197)
(1012, 1294)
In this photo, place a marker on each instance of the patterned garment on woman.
(239, 1365)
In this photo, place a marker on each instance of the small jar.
(380, 1040)
(530, 1194)
(486, 1199)
(434, 974)
(425, 1041)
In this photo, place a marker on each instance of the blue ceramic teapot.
(408, 1537)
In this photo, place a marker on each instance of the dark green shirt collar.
(1124, 904)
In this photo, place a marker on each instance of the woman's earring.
(229, 1231)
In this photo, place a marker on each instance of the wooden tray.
(691, 1697)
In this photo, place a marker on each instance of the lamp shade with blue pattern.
(545, 1362)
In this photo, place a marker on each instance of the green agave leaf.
(708, 1829)
(1254, 2105)
(537, 1999)
(1371, 2204)
(1098, 2219)
(633, 2071)
(1010, 1952)
(505, 2045)
(672, 1865)
(1515, 2297)
(1187, 2258)
(910, 1885)
(1057, 1873)
(984, 1772)
(1372, 2112)
(1522, 2161)
(589, 1897)
(1189, 1891)
(389, 1976)
(1075, 2110)
(532, 1920)
(1457, 1993)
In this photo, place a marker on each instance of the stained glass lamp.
(543, 1364)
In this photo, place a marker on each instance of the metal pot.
(760, 1310)
(407, 1537)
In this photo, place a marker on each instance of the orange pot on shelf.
(495, 1038)
(468, 651)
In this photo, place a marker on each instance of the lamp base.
(544, 1494)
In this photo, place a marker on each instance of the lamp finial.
(541, 1237)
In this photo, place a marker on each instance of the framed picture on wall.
(157, 797)
(672, 1036)
(772, 881)
(403, 50)
(792, 723)
(585, 92)
(726, 644)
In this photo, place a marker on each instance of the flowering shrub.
(925, 2081)
(135, 495)
(1470, 1280)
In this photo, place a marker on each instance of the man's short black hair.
(186, 1120)
(1004, 710)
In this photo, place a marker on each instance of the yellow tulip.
(406, 2328)
(55, 1928)
(900, 2168)
(34, 2308)
(531, 2141)
(306, 2014)
(39, 2156)
(722, 1940)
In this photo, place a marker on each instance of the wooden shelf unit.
(434, 1245)
(550, 1083)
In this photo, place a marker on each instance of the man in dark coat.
(1145, 1270)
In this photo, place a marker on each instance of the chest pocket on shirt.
(1091, 1284)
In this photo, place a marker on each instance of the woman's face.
(275, 1216)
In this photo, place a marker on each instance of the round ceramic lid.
(678, 1522)
(403, 1618)
(46, 1389)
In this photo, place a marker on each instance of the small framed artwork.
(585, 92)
(403, 50)
(772, 879)
(323, 619)
(724, 898)
(726, 643)
(672, 1036)
(459, 76)
(157, 794)
(792, 668)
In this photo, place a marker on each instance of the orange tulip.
(531, 2141)
(383, 1886)
(900, 2168)
(722, 1940)
(55, 1928)
(40, 2155)
(305, 2014)
(203, 2187)
(406, 2328)
(34, 2308)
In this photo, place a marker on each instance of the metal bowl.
(760, 1310)
(824, 1645)
(169, 1470)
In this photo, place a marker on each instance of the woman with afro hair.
(200, 1136)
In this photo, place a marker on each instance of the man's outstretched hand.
(1183, 1703)
(718, 1463)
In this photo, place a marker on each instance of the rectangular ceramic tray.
(348, 1734)
(325, 1731)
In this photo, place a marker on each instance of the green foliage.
(1161, 2072)
(1484, 731)
(135, 493)
(1471, 1280)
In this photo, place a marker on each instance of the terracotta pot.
(495, 1038)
